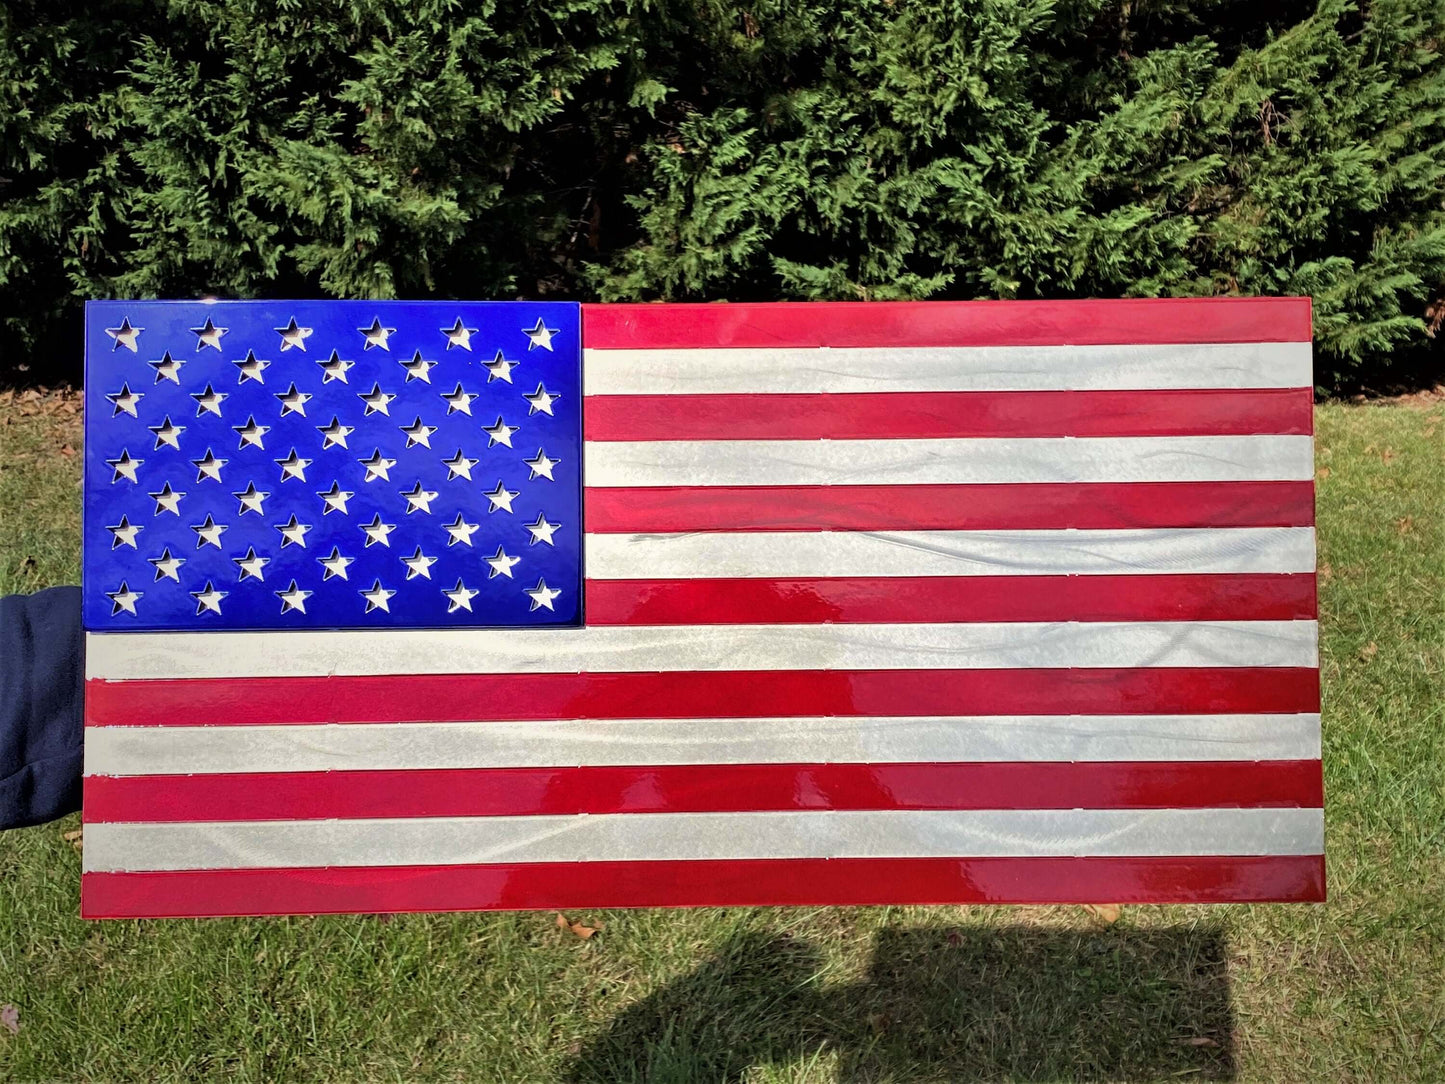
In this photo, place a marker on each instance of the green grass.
(1351, 990)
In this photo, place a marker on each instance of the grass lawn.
(1350, 990)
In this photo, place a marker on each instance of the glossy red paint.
(960, 323)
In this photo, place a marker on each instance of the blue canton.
(332, 464)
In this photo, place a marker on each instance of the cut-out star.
(251, 500)
(209, 533)
(501, 497)
(418, 499)
(293, 598)
(125, 335)
(209, 401)
(459, 335)
(418, 368)
(501, 563)
(499, 368)
(166, 566)
(251, 565)
(542, 531)
(376, 400)
(251, 433)
(123, 598)
(293, 401)
(125, 467)
(376, 335)
(293, 532)
(459, 466)
(123, 533)
(208, 598)
(125, 400)
(335, 564)
(460, 597)
(541, 335)
(208, 334)
(208, 466)
(541, 466)
(376, 597)
(167, 500)
(376, 531)
(461, 531)
(540, 400)
(334, 368)
(168, 368)
(459, 400)
(166, 433)
(499, 433)
(335, 434)
(251, 368)
(417, 433)
(291, 335)
(335, 499)
(293, 466)
(418, 564)
(377, 466)
(542, 596)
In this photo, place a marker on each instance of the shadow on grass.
(1011, 1003)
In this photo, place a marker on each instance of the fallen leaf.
(66, 450)
(1325, 571)
(1322, 473)
(578, 928)
(75, 838)
(1404, 524)
(1387, 455)
(10, 1019)
(1109, 912)
(1198, 1040)
(1369, 651)
(878, 1022)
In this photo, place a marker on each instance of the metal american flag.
(434, 606)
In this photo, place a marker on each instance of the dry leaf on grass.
(1198, 1040)
(1322, 473)
(1404, 524)
(578, 928)
(10, 1019)
(1109, 912)
(1369, 651)
(75, 838)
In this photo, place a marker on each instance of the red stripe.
(691, 694)
(953, 323)
(758, 882)
(1225, 411)
(702, 788)
(1002, 506)
(1244, 597)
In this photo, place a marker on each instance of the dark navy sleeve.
(41, 674)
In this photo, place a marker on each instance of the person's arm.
(42, 671)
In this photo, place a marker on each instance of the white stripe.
(952, 461)
(950, 553)
(631, 837)
(634, 648)
(200, 750)
(951, 368)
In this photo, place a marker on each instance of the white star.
(123, 534)
(501, 497)
(542, 531)
(168, 368)
(419, 500)
(376, 597)
(376, 335)
(208, 466)
(334, 368)
(209, 533)
(167, 566)
(500, 433)
(458, 335)
(336, 499)
(166, 433)
(167, 500)
(459, 400)
(416, 433)
(123, 598)
(541, 335)
(335, 434)
(418, 368)
(251, 368)
(125, 467)
(293, 598)
(292, 532)
(251, 499)
(541, 466)
(461, 531)
(541, 399)
(335, 564)
(251, 433)
(460, 597)
(501, 563)
(377, 466)
(208, 334)
(125, 335)
(499, 368)
(208, 599)
(376, 400)
(542, 596)
(293, 466)
(125, 400)
(293, 400)
(376, 531)
(251, 565)
(209, 400)
(418, 564)
(459, 466)
(291, 335)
